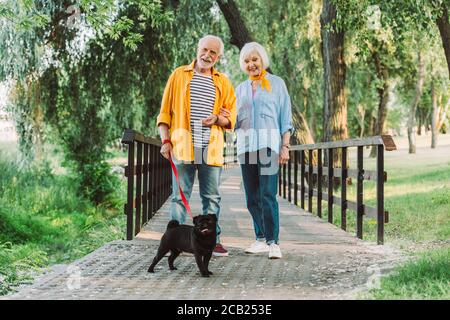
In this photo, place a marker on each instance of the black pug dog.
(199, 239)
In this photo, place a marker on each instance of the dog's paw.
(210, 273)
(151, 270)
(206, 275)
(173, 268)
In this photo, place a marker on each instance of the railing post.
(145, 190)
(137, 226)
(296, 178)
(302, 179)
(154, 179)
(330, 185)
(380, 194)
(344, 189)
(319, 183)
(130, 191)
(284, 181)
(159, 184)
(360, 194)
(310, 180)
(279, 179)
(289, 178)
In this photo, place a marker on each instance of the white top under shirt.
(203, 96)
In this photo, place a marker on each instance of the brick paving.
(320, 261)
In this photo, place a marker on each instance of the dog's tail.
(173, 224)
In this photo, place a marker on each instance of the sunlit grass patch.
(427, 277)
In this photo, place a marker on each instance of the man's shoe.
(257, 247)
(220, 251)
(274, 251)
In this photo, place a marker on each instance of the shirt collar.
(190, 67)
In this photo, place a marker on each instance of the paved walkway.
(320, 261)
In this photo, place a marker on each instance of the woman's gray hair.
(250, 48)
(221, 46)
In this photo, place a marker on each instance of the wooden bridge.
(320, 260)
(152, 185)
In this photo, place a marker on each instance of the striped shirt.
(203, 95)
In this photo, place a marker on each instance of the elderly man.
(192, 128)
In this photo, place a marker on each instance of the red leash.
(183, 197)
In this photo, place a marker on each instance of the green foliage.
(426, 277)
(17, 264)
(99, 184)
(81, 90)
(294, 50)
(44, 221)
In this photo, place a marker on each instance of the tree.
(443, 24)
(415, 102)
(73, 77)
(335, 97)
(240, 35)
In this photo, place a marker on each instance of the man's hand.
(211, 120)
(166, 150)
(284, 155)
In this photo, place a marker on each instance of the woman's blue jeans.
(208, 180)
(260, 177)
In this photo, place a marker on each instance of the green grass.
(418, 201)
(417, 196)
(426, 277)
(43, 221)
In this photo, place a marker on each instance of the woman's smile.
(253, 64)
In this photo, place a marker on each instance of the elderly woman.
(264, 125)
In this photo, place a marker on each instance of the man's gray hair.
(221, 46)
(250, 48)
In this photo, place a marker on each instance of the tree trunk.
(239, 32)
(434, 116)
(444, 29)
(413, 108)
(383, 95)
(335, 98)
(239, 37)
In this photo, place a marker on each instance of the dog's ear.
(212, 215)
(195, 219)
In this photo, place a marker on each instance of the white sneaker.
(274, 251)
(257, 247)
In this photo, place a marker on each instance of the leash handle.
(183, 197)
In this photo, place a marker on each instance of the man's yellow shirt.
(175, 112)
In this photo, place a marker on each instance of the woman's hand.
(225, 113)
(284, 155)
(166, 150)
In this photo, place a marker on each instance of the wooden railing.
(149, 178)
(315, 175)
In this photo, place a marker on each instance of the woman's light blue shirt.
(264, 118)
